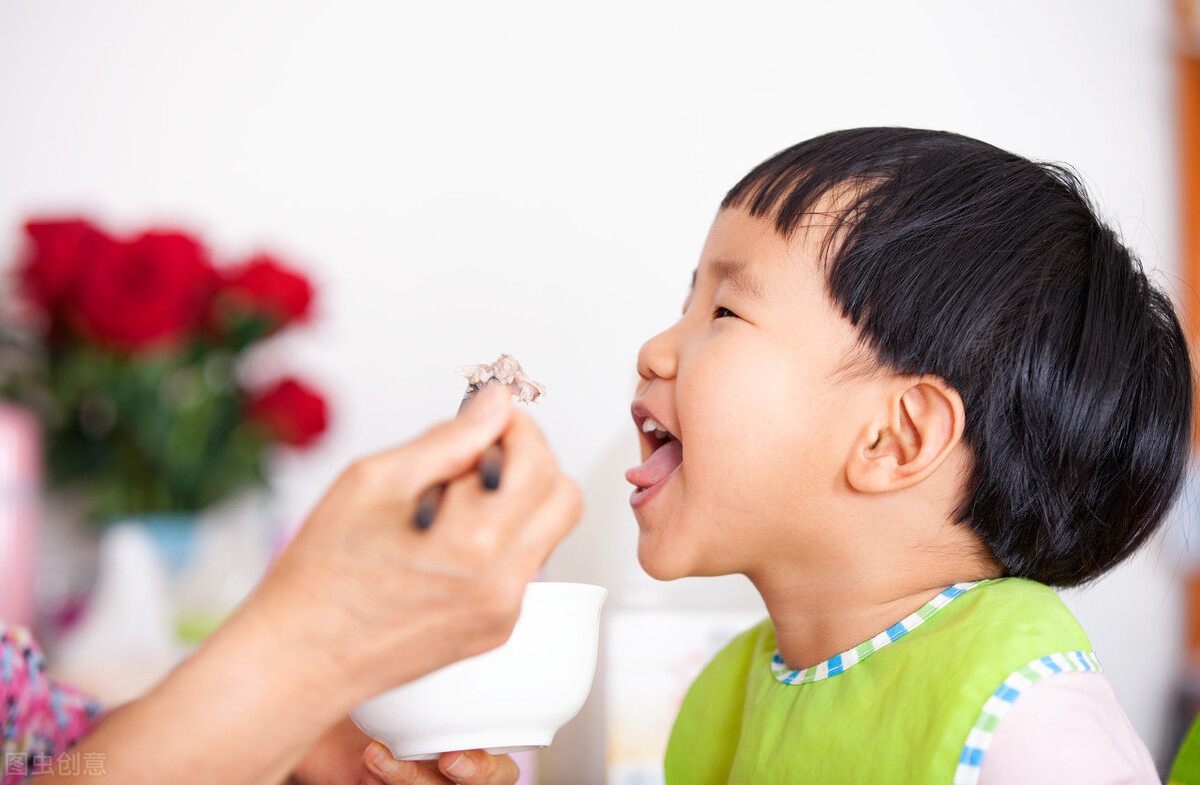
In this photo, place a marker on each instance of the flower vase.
(173, 536)
(229, 552)
(212, 561)
(163, 584)
(125, 640)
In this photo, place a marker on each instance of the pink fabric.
(1067, 729)
(20, 481)
(42, 719)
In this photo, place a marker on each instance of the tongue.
(661, 462)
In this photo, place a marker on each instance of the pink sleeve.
(1067, 729)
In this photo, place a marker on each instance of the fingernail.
(383, 761)
(486, 402)
(461, 767)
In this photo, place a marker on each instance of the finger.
(383, 767)
(530, 472)
(453, 447)
(479, 768)
(528, 464)
(547, 525)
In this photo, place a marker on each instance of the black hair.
(957, 259)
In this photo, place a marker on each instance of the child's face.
(750, 381)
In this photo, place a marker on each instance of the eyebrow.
(737, 274)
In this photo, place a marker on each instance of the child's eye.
(721, 312)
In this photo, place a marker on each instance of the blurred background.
(427, 185)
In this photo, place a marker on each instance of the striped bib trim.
(970, 762)
(841, 662)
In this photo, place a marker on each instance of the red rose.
(57, 252)
(150, 294)
(293, 413)
(262, 288)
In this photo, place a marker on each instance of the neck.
(817, 619)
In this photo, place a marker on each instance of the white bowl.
(509, 699)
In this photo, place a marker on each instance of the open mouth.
(666, 455)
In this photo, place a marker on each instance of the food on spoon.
(507, 371)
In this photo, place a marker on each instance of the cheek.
(761, 448)
(724, 383)
(753, 420)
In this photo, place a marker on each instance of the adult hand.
(472, 767)
(347, 756)
(358, 603)
(387, 603)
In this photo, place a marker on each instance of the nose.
(659, 356)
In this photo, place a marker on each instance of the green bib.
(917, 703)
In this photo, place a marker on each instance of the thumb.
(452, 448)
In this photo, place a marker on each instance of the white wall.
(537, 177)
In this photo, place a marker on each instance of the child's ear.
(920, 426)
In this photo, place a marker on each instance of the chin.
(659, 564)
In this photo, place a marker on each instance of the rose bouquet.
(133, 352)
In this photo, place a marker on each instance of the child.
(916, 382)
